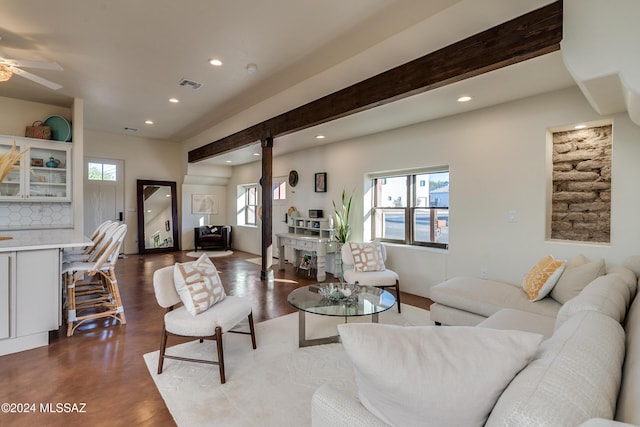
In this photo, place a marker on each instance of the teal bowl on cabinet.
(60, 128)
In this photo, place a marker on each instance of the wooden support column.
(267, 205)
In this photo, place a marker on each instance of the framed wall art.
(204, 204)
(321, 182)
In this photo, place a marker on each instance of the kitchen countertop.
(29, 240)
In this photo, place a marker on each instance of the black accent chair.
(212, 237)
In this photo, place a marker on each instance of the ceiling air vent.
(190, 83)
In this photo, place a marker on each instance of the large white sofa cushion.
(508, 318)
(578, 274)
(607, 294)
(601, 422)
(574, 377)
(627, 275)
(434, 376)
(628, 409)
(633, 264)
(486, 297)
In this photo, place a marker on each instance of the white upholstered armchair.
(365, 263)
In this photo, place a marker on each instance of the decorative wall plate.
(293, 178)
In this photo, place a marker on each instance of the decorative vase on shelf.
(53, 163)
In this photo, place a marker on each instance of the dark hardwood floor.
(101, 365)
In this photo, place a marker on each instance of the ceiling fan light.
(5, 73)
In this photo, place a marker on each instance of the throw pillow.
(574, 279)
(542, 277)
(431, 375)
(198, 284)
(367, 256)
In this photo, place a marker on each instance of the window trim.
(102, 173)
(247, 204)
(242, 204)
(411, 207)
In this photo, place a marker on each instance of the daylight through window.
(251, 205)
(101, 172)
(412, 208)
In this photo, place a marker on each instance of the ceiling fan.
(8, 67)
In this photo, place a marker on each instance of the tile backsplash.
(17, 215)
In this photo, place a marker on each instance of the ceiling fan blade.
(32, 64)
(44, 82)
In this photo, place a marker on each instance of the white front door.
(103, 192)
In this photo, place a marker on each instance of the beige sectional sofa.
(586, 372)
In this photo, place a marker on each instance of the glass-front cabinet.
(43, 174)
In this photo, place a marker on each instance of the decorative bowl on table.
(343, 292)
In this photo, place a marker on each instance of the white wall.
(497, 159)
(191, 220)
(17, 114)
(143, 159)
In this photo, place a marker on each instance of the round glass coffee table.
(314, 299)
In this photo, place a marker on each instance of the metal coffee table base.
(302, 331)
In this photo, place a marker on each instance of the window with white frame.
(251, 205)
(247, 204)
(412, 208)
(279, 187)
(101, 171)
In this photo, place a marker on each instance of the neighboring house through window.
(412, 207)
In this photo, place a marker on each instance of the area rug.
(269, 386)
(210, 254)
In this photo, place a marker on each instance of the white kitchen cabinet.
(30, 297)
(38, 291)
(44, 173)
(5, 286)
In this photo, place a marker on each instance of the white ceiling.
(124, 59)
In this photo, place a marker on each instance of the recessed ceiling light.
(256, 154)
(580, 126)
(174, 100)
(319, 136)
(148, 122)
(464, 99)
(228, 161)
(215, 62)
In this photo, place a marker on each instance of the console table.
(304, 243)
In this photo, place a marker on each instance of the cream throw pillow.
(576, 278)
(542, 277)
(434, 375)
(198, 284)
(367, 256)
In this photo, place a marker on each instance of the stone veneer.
(26, 215)
(581, 197)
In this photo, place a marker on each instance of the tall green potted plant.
(343, 229)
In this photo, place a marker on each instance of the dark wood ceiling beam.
(528, 36)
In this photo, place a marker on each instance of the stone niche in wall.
(581, 189)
